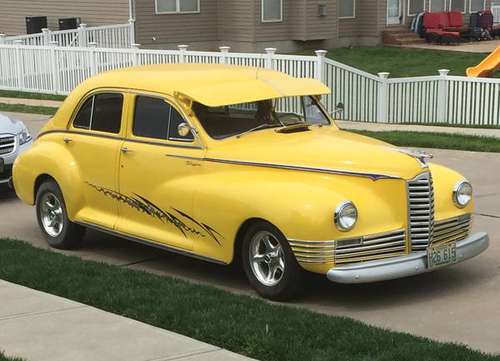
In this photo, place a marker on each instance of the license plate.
(1, 165)
(442, 255)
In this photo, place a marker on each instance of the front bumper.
(405, 266)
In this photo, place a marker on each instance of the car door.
(94, 139)
(156, 174)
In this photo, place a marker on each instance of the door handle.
(126, 150)
(67, 140)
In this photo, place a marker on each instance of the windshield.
(232, 120)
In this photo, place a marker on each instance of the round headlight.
(346, 216)
(462, 193)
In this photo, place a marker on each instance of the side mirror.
(339, 109)
(184, 129)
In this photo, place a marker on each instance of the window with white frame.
(415, 7)
(477, 5)
(272, 10)
(458, 5)
(177, 6)
(347, 9)
(438, 5)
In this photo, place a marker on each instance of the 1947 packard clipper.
(223, 163)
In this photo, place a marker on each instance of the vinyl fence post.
(54, 67)
(383, 98)
(442, 104)
(92, 58)
(46, 36)
(19, 64)
(320, 65)
(224, 50)
(182, 52)
(269, 64)
(2, 39)
(135, 54)
(82, 35)
(131, 23)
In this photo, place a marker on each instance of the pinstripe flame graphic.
(144, 205)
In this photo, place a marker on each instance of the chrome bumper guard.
(405, 266)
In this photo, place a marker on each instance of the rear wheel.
(53, 220)
(269, 263)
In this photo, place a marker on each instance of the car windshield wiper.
(293, 127)
(258, 127)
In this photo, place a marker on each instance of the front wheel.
(269, 263)
(53, 219)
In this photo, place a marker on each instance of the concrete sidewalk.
(31, 102)
(38, 326)
(381, 127)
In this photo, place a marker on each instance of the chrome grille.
(421, 211)
(370, 247)
(7, 144)
(313, 251)
(452, 229)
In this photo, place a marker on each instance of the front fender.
(300, 204)
(39, 161)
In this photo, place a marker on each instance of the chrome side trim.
(109, 136)
(405, 266)
(372, 176)
(150, 243)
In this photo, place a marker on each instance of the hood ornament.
(420, 155)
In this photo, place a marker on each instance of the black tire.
(291, 280)
(70, 234)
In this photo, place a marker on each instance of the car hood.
(325, 149)
(10, 126)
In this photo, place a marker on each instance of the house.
(245, 25)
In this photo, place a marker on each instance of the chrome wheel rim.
(267, 259)
(51, 214)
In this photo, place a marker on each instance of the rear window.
(107, 115)
(102, 112)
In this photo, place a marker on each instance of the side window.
(175, 120)
(107, 115)
(82, 119)
(151, 117)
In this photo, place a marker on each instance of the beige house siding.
(92, 12)
(235, 20)
(162, 30)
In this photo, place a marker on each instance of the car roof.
(209, 84)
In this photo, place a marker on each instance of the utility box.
(69, 23)
(35, 24)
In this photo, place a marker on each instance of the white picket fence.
(427, 100)
(107, 36)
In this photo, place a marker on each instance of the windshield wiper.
(258, 127)
(295, 127)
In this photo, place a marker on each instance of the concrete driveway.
(459, 304)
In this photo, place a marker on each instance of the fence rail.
(107, 36)
(435, 99)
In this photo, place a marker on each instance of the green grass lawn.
(246, 325)
(6, 358)
(404, 62)
(28, 95)
(21, 108)
(436, 140)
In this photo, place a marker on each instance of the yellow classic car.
(228, 163)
